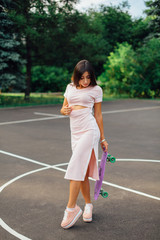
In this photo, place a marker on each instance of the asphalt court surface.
(34, 151)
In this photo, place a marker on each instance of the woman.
(80, 97)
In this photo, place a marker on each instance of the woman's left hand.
(104, 146)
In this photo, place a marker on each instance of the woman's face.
(85, 80)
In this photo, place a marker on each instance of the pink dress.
(85, 132)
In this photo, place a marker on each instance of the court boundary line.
(30, 120)
(55, 167)
(12, 231)
(48, 114)
(137, 160)
(131, 110)
(108, 112)
(56, 116)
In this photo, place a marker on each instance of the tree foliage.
(37, 21)
(136, 73)
(153, 12)
(49, 79)
(117, 72)
(10, 60)
(53, 36)
(147, 72)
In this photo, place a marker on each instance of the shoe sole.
(74, 220)
(87, 219)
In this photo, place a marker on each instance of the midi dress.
(85, 133)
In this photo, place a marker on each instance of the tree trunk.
(28, 73)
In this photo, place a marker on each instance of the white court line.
(22, 237)
(131, 190)
(33, 161)
(134, 160)
(64, 164)
(131, 109)
(61, 164)
(63, 170)
(48, 114)
(59, 116)
(30, 120)
(2, 223)
(28, 173)
(47, 166)
(13, 232)
(24, 158)
(21, 176)
(137, 160)
(128, 189)
(107, 112)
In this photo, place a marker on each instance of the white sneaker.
(87, 215)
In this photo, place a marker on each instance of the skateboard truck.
(110, 158)
(103, 193)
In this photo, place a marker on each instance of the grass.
(17, 99)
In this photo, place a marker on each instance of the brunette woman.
(81, 95)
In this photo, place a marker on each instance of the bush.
(136, 73)
(49, 79)
(115, 78)
(147, 72)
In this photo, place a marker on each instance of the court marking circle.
(57, 167)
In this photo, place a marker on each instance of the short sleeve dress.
(85, 132)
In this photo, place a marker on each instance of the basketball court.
(34, 152)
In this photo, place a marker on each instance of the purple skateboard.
(98, 190)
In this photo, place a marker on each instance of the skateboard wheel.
(112, 159)
(104, 194)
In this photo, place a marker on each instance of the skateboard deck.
(98, 190)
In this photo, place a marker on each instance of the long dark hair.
(82, 67)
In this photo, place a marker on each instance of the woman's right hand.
(67, 109)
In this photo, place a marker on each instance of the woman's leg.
(85, 189)
(85, 185)
(73, 193)
(75, 187)
(72, 215)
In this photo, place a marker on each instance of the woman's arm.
(65, 110)
(99, 120)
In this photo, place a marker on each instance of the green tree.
(116, 77)
(32, 18)
(136, 73)
(87, 42)
(11, 77)
(74, 36)
(55, 32)
(139, 32)
(117, 25)
(146, 78)
(69, 38)
(49, 78)
(153, 12)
